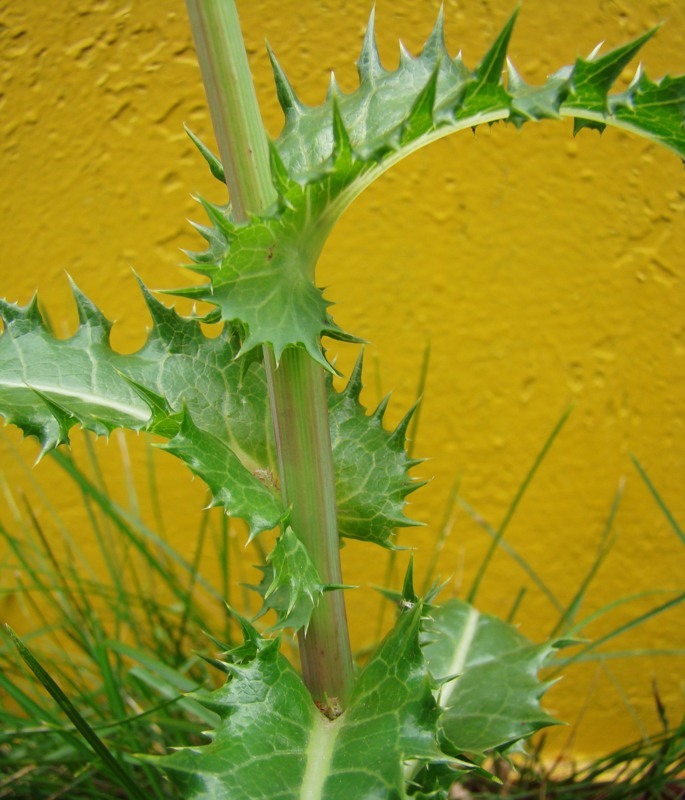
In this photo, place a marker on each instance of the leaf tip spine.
(215, 165)
(399, 435)
(342, 148)
(405, 56)
(287, 98)
(381, 408)
(369, 65)
(435, 48)
(489, 71)
(354, 384)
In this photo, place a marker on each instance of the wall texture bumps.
(545, 271)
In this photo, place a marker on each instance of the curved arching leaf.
(261, 273)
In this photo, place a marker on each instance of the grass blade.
(98, 746)
(658, 498)
(512, 553)
(485, 563)
(605, 545)
(633, 623)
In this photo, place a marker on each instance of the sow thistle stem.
(446, 680)
(298, 402)
(296, 386)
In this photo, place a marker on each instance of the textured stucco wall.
(544, 270)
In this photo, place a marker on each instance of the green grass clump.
(120, 645)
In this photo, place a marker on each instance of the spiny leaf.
(41, 376)
(371, 468)
(273, 741)
(261, 281)
(232, 485)
(593, 77)
(535, 102)
(192, 390)
(489, 675)
(655, 110)
(291, 585)
(263, 276)
(180, 384)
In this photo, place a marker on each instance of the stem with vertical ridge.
(297, 389)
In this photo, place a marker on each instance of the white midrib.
(458, 662)
(89, 399)
(319, 756)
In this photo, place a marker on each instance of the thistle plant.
(254, 413)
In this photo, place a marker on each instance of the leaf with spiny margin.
(592, 78)
(371, 466)
(261, 273)
(291, 585)
(180, 385)
(434, 781)
(655, 110)
(47, 385)
(535, 102)
(233, 487)
(489, 674)
(261, 281)
(274, 742)
(214, 408)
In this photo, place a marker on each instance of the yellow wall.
(544, 270)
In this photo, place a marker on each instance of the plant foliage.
(447, 681)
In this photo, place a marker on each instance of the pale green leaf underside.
(261, 273)
(274, 743)
(405, 716)
(494, 702)
(210, 407)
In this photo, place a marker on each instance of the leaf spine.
(354, 384)
(89, 314)
(405, 56)
(434, 49)
(13, 312)
(379, 413)
(489, 71)
(215, 165)
(369, 65)
(334, 89)
(207, 233)
(399, 435)
(342, 149)
(287, 98)
(217, 215)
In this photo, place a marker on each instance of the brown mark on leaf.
(267, 477)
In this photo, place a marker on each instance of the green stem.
(237, 122)
(300, 409)
(297, 385)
